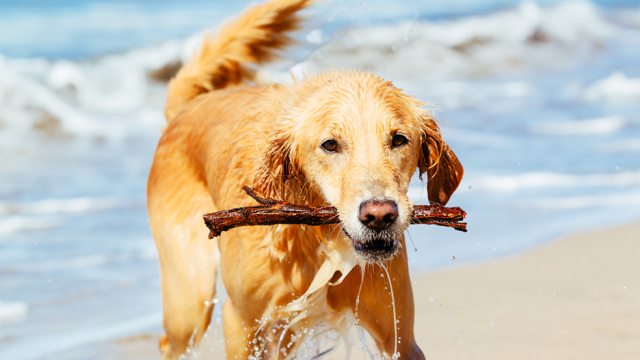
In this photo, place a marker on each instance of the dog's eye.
(398, 140)
(330, 145)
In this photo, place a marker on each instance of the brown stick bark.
(273, 212)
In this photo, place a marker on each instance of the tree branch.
(273, 212)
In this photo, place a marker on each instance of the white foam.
(510, 41)
(547, 179)
(12, 311)
(580, 202)
(18, 223)
(57, 206)
(475, 138)
(616, 89)
(37, 347)
(460, 94)
(631, 17)
(79, 262)
(622, 146)
(23, 101)
(115, 83)
(84, 96)
(601, 125)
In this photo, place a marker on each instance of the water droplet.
(469, 187)
(381, 275)
(405, 39)
(453, 257)
(215, 301)
(206, 303)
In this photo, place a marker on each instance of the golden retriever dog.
(344, 138)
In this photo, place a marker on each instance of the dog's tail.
(252, 38)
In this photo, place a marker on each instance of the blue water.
(546, 150)
(81, 29)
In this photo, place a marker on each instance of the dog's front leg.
(238, 332)
(375, 310)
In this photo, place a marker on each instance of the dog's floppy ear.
(444, 171)
(276, 166)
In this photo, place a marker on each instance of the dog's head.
(354, 141)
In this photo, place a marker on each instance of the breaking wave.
(122, 95)
(548, 179)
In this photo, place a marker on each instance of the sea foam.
(121, 95)
(601, 125)
(547, 179)
(12, 311)
(617, 89)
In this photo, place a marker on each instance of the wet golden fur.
(222, 135)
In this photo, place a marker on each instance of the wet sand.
(575, 298)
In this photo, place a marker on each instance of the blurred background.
(539, 99)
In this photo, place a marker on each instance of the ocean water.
(540, 101)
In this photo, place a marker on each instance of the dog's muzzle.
(374, 249)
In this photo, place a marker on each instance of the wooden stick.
(273, 212)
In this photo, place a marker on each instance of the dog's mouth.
(374, 249)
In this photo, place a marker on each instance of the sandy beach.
(575, 298)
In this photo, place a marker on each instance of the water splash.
(395, 319)
(191, 343)
(316, 326)
(412, 243)
(362, 267)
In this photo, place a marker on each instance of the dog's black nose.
(378, 215)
